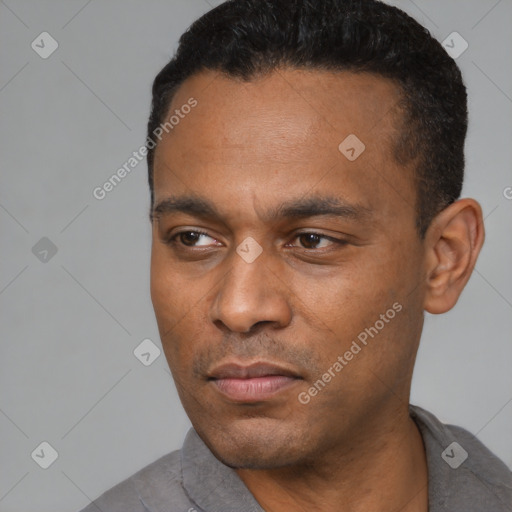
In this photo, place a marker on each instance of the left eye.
(312, 240)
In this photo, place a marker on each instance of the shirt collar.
(211, 484)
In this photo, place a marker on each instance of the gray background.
(68, 373)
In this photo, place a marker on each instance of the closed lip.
(251, 371)
(258, 382)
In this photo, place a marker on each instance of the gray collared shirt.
(463, 475)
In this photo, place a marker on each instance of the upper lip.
(250, 371)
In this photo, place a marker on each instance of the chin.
(256, 444)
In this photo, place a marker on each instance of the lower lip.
(253, 390)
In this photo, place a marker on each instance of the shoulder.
(462, 470)
(156, 479)
(487, 472)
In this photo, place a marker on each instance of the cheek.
(169, 303)
(178, 307)
(353, 300)
(168, 289)
(356, 290)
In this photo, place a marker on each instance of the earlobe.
(453, 242)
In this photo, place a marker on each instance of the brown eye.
(309, 240)
(315, 241)
(192, 238)
(189, 238)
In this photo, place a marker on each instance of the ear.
(453, 242)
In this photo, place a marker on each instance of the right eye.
(189, 238)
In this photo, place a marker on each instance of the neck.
(384, 468)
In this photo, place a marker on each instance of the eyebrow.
(301, 208)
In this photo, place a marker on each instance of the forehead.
(289, 104)
(281, 134)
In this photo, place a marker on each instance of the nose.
(250, 294)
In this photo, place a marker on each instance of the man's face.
(247, 334)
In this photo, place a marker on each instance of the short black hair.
(244, 39)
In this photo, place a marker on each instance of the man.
(305, 165)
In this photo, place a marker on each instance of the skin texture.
(248, 148)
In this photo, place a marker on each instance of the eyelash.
(173, 240)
